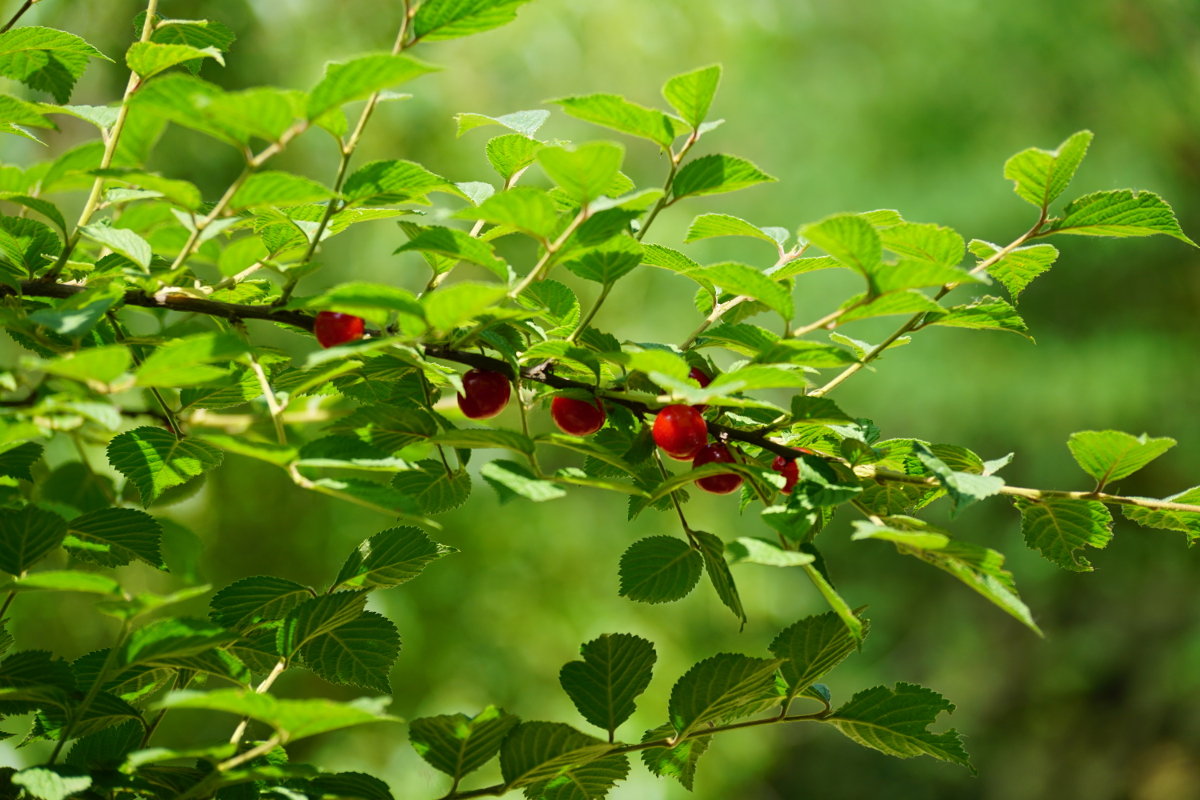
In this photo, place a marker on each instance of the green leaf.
(1040, 176)
(457, 744)
(679, 761)
(316, 617)
(1061, 528)
(389, 558)
(78, 314)
(740, 279)
(460, 303)
(360, 652)
(449, 19)
(722, 688)
(113, 537)
(610, 262)
(394, 181)
(615, 669)
(273, 188)
(716, 174)
(525, 123)
(511, 479)
(614, 111)
(27, 243)
(853, 623)
(750, 550)
(812, 647)
(1018, 267)
(909, 301)
(360, 77)
(245, 603)
(350, 786)
(194, 32)
(1112, 455)
(1187, 522)
(371, 301)
(100, 364)
(659, 569)
(850, 239)
(706, 226)
(457, 245)
(292, 719)
(511, 153)
(51, 783)
(963, 487)
(524, 207)
(692, 93)
(64, 580)
(433, 489)
(712, 549)
(926, 243)
(544, 754)
(154, 460)
(896, 722)
(584, 173)
(173, 642)
(120, 240)
(45, 59)
(16, 461)
(982, 313)
(151, 58)
(1118, 213)
(28, 535)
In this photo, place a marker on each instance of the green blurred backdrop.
(910, 104)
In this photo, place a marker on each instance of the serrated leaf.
(16, 461)
(982, 313)
(26, 536)
(692, 93)
(45, 59)
(371, 301)
(1061, 528)
(179, 642)
(120, 240)
(457, 744)
(812, 647)
(750, 550)
(679, 761)
(51, 783)
(963, 487)
(536, 754)
(1112, 455)
(485, 438)
(610, 262)
(245, 603)
(389, 558)
(1187, 522)
(457, 245)
(77, 315)
(615, 669)
(896, 722)
(454, 305)
(437, 20)
(433, 489)
(850, 239)
(151, 58)
(525, 123)
(1040, 176)
(584, 173)
(524, 207)
(614, 111)
(659, 569)
(318, 616)
(393, 181)
(712, 549)
(293, 719)
(716, 174)
(740, 279)
(101, 364)
(1018, 267)
(195, 32)
(113, 537)
(511, 153)
(154, 460)
(721, 688)
(350, 786)
(1118, 213)
(357, 78)
(511, 479)
(360, 652)
(273, 188)
(925, 243)
(707, 226)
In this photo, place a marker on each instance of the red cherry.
(724, 483)
(333, 328)
(577, 417)
(701, 377)
(790, 471)
(680, 431)
(486, 395)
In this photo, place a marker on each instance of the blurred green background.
(910, 104)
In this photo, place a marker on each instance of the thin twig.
(28, 4)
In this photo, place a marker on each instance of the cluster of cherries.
(679, 430)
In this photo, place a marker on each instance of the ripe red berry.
(701, 377)
(486, 395)
(577, 417)
(790, 471)
(724, 483)
(680, 431)
(333, 328)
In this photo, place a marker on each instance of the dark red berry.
(680, 431)
(790, 471)
(333, 328)
(701, 377)
(577, 417)
(724, 483)
(486, 395)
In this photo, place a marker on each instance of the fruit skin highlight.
(717, 453)
(577, 417)
(790, 471)
(680, 431)
(486, 393)
(333, 328)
